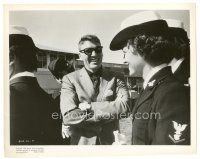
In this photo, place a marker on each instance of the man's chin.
(132, 72)
(135, 73)
(94, 66)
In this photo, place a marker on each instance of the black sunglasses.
(88, 51)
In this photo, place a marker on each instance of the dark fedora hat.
(147, 22)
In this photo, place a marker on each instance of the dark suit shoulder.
(170, 84)
(31, 90)
(172, 102)
(172, 96)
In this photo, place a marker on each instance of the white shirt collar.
(176, 65)
(152, 72)
(21, 74)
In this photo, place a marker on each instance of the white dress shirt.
(176, 65)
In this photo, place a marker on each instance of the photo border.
(114, 150)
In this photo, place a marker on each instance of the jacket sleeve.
(72, 115)
(173, 124)
(109, 110)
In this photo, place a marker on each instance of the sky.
(62, 29)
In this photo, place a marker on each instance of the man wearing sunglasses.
(92, 98)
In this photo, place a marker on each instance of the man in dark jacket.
(29, 103)
(181, 62)
(59, 68)
(161, 115)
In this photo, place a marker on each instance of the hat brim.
(156, 27)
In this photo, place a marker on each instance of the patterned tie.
(96, 82)
(95, 78)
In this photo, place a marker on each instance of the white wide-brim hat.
(147, 22)
(16, 29)
(174, 23)
(19, 38)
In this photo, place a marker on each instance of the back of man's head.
(22, 49)
(60, 67)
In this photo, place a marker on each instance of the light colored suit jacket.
(98, 124)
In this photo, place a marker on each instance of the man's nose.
(124, 56)
(94, 53)
(124, 59)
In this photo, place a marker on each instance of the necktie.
(96, 82)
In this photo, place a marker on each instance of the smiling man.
(92, 98)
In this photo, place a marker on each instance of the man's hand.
(120, 139)
(84, 106)
(65, 131)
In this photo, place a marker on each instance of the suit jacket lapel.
(86, 83)
(145, 95)
(103, 84)
(158, 77)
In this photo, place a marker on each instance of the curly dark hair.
(155, 50)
